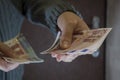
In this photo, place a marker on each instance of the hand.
(64, 57)
(69, 24)
(6, 66)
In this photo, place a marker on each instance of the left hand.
(69, 24)
(6, 66)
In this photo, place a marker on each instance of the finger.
(5, 66)
(61, 57)
(53, 54)
(67, 59)
(3, 63)
(57, 56)
(81, 26)
(12, 66)
(70, 57)
(66, 37)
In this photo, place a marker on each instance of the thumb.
(66, 37)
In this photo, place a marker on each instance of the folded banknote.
(23, 52)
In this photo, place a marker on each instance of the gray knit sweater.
(12, 13)
(43, 12)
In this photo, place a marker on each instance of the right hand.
(6, 66)
(69, 24)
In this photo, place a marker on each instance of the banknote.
(86, 43)
(23, 52)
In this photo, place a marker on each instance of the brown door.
(84, 67)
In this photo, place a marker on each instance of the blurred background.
(100, 66)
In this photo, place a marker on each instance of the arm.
(46, 12)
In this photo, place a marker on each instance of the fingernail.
(66, 44)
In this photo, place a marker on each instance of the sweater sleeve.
(46, 12)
